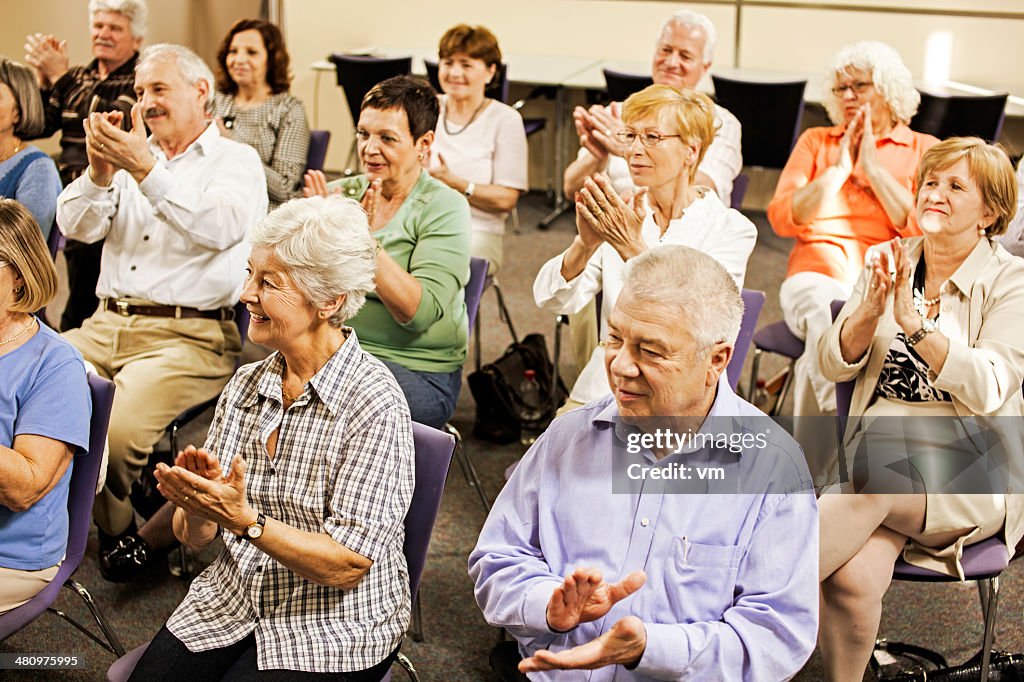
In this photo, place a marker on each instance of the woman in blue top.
(26, 173)
(43, 376)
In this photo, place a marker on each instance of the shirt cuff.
(954, 370)
(157, 184)
(90, 190)
(667, 653)
(535, 607)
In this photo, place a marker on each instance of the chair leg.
(988, 591)
(514, 214)
(467, 467)
(113, 644)
(503, 310)
(185, 572)
(559, 321)
(416, 627)
(476, 341)
(408, 667)
(787, 383)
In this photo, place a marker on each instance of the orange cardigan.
(847, 224)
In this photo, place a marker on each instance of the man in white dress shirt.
(174, 209)
(682, 55)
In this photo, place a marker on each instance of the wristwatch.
(916, 337)
(470, 188)
(255, 529)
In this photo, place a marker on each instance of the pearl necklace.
(12, 339)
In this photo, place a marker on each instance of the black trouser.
(168, 659)
(83, 271)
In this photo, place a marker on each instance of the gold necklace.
(17, 148)
(12, 339)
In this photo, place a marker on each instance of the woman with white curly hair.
(844, 189)
(307, 475)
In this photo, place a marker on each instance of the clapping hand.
(220, 499)
(48, 55)
(584, 597)
(850, 145)
(314, 184)
(907, 316)
(112, 147)
(879, 284)
(611, 218)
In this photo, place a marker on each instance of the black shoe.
(129, 557)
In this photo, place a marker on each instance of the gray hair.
(326, 247)
(688, 17)
(696, 283)
(891, 77)
(134, 10)
(22, 82)
(192, 67)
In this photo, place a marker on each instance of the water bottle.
(532, 416)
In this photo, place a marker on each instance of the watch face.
(254, 531)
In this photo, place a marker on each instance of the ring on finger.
(185, 499)
(101, 146)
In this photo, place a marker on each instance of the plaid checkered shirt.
(344, 466)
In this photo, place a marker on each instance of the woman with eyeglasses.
(844, 189)
(665, 134)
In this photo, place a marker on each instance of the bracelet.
(470, 188)
(916, 337)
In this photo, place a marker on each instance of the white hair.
(192, 67)
(891, 77)
(326, 247)
(693, 19)
(134, 10)
(694, 282)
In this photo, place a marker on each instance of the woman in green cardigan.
(415, 322)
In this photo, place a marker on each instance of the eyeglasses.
(858, 88)
(648, 139)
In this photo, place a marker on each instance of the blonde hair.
(23, 248)
(990, 168)
(692, 112)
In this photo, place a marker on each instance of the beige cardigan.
(982, 315)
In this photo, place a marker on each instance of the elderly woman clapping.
(942, 337)
(307, 474)
(665, 136)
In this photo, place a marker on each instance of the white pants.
(806, 299)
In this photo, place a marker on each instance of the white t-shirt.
(707, 225)
(491, 150)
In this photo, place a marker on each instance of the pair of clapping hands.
(889, 269)
(197, 485)
(597, 128)
(584, 597)
(314, 184)
(110, 148)
(605, 216)
(857, 148)
(48, 55)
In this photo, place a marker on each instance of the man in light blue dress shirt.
(668, 531)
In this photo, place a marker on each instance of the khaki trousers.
(160, 366)
(17, 586)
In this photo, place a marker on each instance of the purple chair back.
(81, 494)
(433, 456)
(475, 287)
(55, 242)
(739, 190)
(318, 141)
(753, 301)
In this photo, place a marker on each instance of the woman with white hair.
(844, 189)
(307, 474)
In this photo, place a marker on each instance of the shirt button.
(271, 472)
(645, 522)
(145, 238)
(133, 268)
(257, 619)
(259, 569)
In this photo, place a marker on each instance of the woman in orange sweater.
(844, 189)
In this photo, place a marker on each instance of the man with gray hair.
(702, 561)
(682, 55)
(70, 94)
(175, 209)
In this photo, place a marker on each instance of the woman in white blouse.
(665, 135)
(253, 105)
(479, 146)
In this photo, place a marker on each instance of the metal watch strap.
(916, 337)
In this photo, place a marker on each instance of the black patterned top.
(904, 376)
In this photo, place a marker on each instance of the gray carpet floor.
(945, 617)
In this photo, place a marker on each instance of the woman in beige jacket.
(934, 337)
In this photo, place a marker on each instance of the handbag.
(500, 407)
